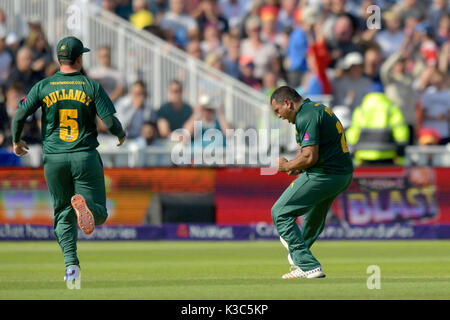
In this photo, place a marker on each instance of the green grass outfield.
(225, 270)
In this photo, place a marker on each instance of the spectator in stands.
(268, 16)
(124, 9)
(133, 110)
(366, 34)
(175, 113)
(231, 59)
(42, 53)
(3, 25)
(444, 58)
(400, 84)
(246, 67)
(214, 60)
(179, 23)
(211, 41)
(23, 72)
(333, 11)
(428, 136)
(112, 80)
(428, 47)
(158, 8)
(443, 30)
(234, 11)
(342, 42)
(261, 52)
(315, 81)
(439, 9)
(410, 9)
(372, 64)
(436, 106)
(253, 12)
(109, 5)
(285, 17)
(350, 89)
(212, 117)
(295, 62)
(141, 16)
(5, 57)
(31, 134)
(194, 49)
(390, 38)
(269, 83)
(51, 69)
(208, 14)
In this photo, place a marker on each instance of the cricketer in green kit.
(73, 168)
(327, 171)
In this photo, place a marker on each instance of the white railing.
(436, 156)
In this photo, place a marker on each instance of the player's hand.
(121, 141)
(282, 164)
(20, 148)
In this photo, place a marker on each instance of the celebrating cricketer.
(326, 170)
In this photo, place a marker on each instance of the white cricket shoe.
(299, 273)
(73, 277)
(291, 262)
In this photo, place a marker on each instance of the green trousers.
(310, 195)
(68, 174)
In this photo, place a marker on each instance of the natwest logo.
(182, 231)
(204, 232)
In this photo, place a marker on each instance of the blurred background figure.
(141, 17)
(390, 38)
(234, 11)
(31, 132)
(253, 46)
(378, 133)
(211, 116)
(350, 89)
(6, 58)
(208, 14)
(231, 58)
(23, 72)
(428, 137)
(178, 23)
(246, 67)
(436, 106)
(133, 110)
(175, 113)
(112, 80)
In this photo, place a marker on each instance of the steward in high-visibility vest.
(378, 132)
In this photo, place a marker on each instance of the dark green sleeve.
(26, 107)
(103, 103)
(310, 129)
(114, 126)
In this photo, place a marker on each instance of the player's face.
(283, 110)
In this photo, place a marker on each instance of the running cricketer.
(327, 171)
(73, 168)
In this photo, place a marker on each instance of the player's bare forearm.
(306, 159)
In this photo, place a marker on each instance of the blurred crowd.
(342, 49)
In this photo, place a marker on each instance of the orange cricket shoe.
(84, 215)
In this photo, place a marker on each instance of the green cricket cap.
(70, 48)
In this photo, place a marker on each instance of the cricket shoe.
(73, 277)
(299, 273)
(85, 218)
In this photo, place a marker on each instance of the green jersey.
(70, 103)
(316, 124)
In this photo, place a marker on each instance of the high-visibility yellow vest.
(378, 129)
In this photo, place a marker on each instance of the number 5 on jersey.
(68, 125)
